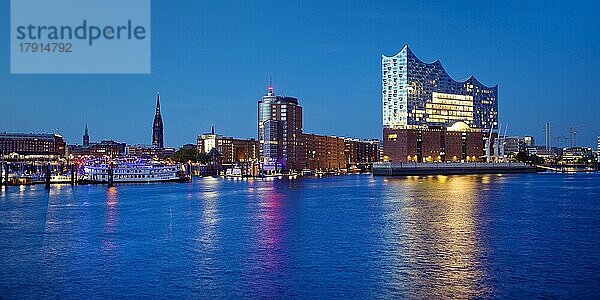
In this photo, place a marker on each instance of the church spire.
(86, 136)
(158, 104)
(157, 126)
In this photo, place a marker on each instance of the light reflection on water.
(109, 242)
(209, 220)
(347, 236)
(431, 227)
(267, 263)
(269, 231)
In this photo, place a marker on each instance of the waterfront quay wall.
(415, 169)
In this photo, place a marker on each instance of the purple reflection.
(268, 262)
(108, 242)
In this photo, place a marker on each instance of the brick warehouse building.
(433, 144)
(361, 152)
(34, 144)
(282, 143)
(323, 152)
(232, 150)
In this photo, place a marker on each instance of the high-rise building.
(428, 116)
(598, 142)
(284, 145)
(86, 137)
(417, 94)
(279, 131)
(157, 126)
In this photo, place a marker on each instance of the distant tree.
(203, 158)
(536, 160)
(532, 159)
(522, 157)
(184, 155)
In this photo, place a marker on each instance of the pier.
(38, 172)
(415, 169)
(571, 168)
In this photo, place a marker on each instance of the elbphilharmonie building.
(430, 117)
(419, 94)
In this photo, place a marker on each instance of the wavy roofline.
(470, 79)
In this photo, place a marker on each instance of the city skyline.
(543, 70)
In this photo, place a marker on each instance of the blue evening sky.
(211, 61)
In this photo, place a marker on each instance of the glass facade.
(279, 128)
(419, 94)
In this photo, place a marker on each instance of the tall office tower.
(157, 126)
(86, 137)
(416, 94)
(280, 131)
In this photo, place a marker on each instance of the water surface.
(354, 236)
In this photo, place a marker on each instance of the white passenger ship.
(132, 172)
(235, 172)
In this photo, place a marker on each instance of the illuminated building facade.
(529, 141)
(418, 94)
(577, 154)
(144, 151)
(429, 117)
(104, 148)
(283, 145)
(32, 144)
(360, 152)
(514, 144)
(439, 144)
(279, 131)
(231, 150)
(323, 152)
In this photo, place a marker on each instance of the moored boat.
(134, 172)
(235, 173)
(273, 175)
(306, 172)
(292, 175)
